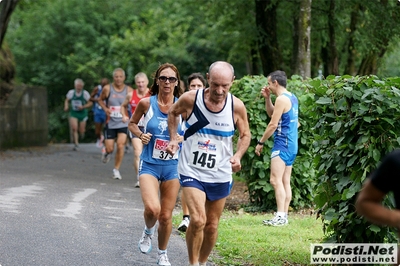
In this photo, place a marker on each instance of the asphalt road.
(61, 207)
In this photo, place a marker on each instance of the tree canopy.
(56, 41)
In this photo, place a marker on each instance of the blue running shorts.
(287, 157)
(214, 191)
(99, 118)
(160, 172)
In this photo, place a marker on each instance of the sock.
(202, 263)
(196, 264)
(162, 251)
(186, 216)
(149, 231)
(286, 215)
(281, 214)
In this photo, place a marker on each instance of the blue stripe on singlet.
(202, 121)
(216, 132)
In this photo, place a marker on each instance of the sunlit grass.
(244, 240)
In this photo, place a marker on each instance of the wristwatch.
(260, 143)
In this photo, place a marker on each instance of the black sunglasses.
(170, 79)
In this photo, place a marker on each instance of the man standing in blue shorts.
(283, 125)
(99, 116)
(207, 157)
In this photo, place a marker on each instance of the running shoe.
(105, 157)
(99, 142)
(76, 147)
(145, 243)
(137, 184)
(265, 222)
(276, 221)
(163, 260)
(184, 224)
(127, 149)
(116, 174)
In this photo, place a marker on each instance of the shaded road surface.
(61, 207)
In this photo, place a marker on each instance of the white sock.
(162, 251)
(280, 214)
(203, 264)
(149, 231)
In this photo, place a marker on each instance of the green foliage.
(347, 125)
(390, 67)
(356, 123)
(255, 170)
(58, 126)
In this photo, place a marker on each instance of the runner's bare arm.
(103, 96)
(140, 110)
(242, 124)
(125, 106)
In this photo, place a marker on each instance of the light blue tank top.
(156, 123)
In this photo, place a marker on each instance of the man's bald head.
(221, 67)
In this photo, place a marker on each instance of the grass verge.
(244, 240)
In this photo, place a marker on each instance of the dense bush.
(255, 170)
(356, 123)
(347, 125)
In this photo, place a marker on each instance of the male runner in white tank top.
(207, 157)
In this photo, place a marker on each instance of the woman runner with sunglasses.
(158, 171)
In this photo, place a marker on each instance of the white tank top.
(207, 146)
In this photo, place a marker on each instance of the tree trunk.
(333, 63)
(368, 65)
(303, 59)
(7, 7)
(351, 49)
(252, 66)
(267, 40)
(295, 36)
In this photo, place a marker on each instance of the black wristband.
(140, 137)
(260, 143)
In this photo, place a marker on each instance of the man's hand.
(172, 147)
(125, 119)
(236, 166)
(266, 92)
(258, 149)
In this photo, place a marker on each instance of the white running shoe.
(276, 221)
(184, 224)
(99, 142)
(145, 243)
(137, 184)
(116, 174)
(163, 260)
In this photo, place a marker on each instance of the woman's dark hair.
(196, 76)
(154, 88)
